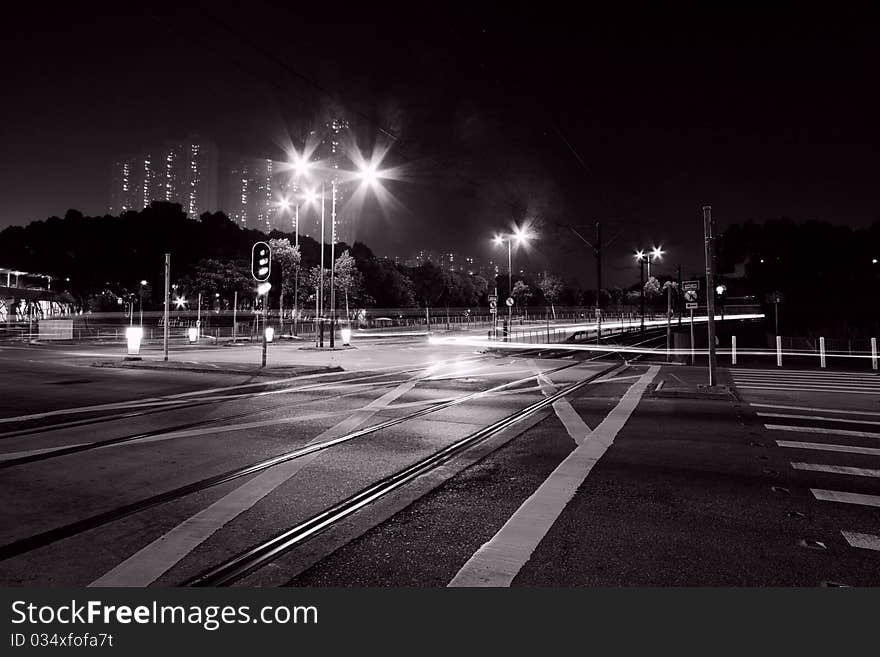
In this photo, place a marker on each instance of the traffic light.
(261, 262)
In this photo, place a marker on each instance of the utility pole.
(678, 295)
(234, 315)
(167, 293)
(598, 282)
(642, 290)
(708, 232)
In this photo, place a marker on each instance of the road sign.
(690, 305)
(509, 301)
(261, 262)
(493, 310)
(690, 285)
(493, 298)
(492, 304)
(690, 295)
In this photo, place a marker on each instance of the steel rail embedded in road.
(42, 539)
(266, 552)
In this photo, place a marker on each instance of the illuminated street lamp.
(519, 236)
(141, 300)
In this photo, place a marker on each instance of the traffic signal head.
(261, 262)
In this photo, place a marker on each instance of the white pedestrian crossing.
(838, 446)
(806, 381)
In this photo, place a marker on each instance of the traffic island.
(240, 369)
(685, 382)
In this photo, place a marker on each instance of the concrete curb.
(256, 371)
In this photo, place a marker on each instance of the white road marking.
(151, 561)
(822, 430)
(780, 388)
(864, 541)
(806, 384)
(817, 410)
(186, 396)
(826, 447)
(499, 560)
(616, 379)
(8, 456)
(779, 376)
(837, 469)
(805, 372)
(819, 417)
(844, 497)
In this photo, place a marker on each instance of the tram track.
(48, 537)
(264, 553)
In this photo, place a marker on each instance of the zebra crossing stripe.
(864, 541)
(826, 447)
(837, 469)
(846, 498)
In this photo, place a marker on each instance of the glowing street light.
(520, 236)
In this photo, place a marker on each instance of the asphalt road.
(132, 476)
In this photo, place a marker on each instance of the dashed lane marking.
(826, 447)
(499, 560)
(837, 469)
(844, 497)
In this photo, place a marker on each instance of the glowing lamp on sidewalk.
(193, 334)
(270, 333)
(345, 332)
(133, 336)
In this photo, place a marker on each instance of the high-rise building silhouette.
(184, 172)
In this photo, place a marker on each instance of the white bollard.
(778, 351)
(873, 353)
(733, 349)
(822, 352)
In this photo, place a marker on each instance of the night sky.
(635, 121)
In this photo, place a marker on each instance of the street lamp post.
(642, 257)
(296, 271)
(332, 262)
(519, 235)
(141, 301)
(369, 175)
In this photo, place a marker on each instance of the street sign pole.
(693, 352)
(234, 315)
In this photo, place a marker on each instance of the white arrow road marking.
(499, 560)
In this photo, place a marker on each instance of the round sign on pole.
(509, 301)
(492, 304)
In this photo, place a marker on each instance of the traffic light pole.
(265, 317)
